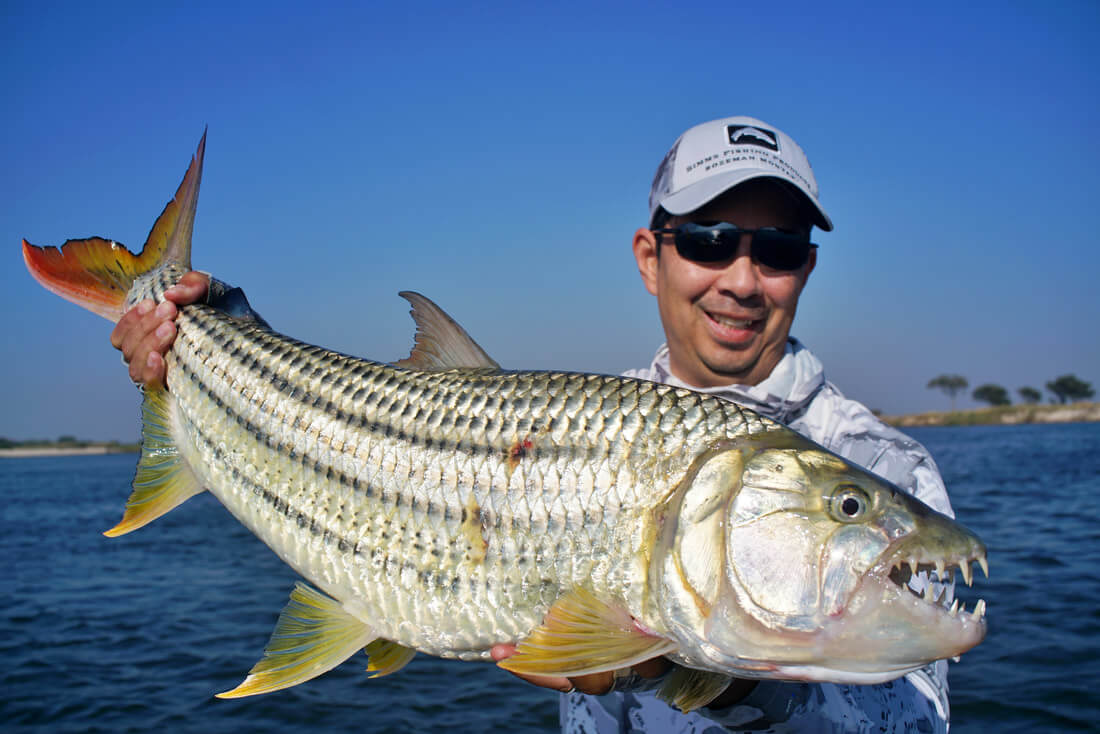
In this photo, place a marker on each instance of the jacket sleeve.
(779, 706)
(774, 706)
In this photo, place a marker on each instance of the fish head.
(779, 559)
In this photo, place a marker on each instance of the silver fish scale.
(450, 509)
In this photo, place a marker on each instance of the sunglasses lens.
(718, 241)
(707, 244)
(779, 250)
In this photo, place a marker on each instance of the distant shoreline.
(24, 452)
(1005, 415)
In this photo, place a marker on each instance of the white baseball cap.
(712, 158)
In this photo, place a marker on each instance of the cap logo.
(751, 135)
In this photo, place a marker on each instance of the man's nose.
(739, 277)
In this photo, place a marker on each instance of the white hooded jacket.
(798, 395)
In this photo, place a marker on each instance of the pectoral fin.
(582, 634)
(689, 689)
(314, 634)
(387, 657)
(163, 480)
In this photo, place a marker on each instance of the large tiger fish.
(441, 504)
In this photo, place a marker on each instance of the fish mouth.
(904, 615)
(929, 582)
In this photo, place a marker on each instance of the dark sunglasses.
(712, 242)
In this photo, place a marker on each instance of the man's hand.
(596, 684)
(146, 332)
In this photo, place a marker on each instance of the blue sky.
(498, 159)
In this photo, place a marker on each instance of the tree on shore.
(950, 384)
(992, 394)
(1068, 388)
(1030, 395)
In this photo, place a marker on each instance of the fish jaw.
(896, 622)
(762, 580)
(905, 598)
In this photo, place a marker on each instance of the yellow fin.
(387, 657)
(582, 634)
(163, 480)
(688, 689)
(441, 344)
(314, 634)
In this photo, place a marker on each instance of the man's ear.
(810, 265)
(646, 254)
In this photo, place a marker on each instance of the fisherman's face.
(726, 322)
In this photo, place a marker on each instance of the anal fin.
(688, 689)
(385, 657)
(163, 480)
(583, 634)
(314, 634)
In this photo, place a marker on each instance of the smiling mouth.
(730, 322)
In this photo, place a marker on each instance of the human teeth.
(734, 323)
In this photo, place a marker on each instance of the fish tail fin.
(97, 274)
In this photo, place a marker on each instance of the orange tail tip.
(97, 274)
(94, 273)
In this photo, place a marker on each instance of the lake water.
(138, 633)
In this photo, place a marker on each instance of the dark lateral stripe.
(389, 564)
(322, 470)
(376, 427)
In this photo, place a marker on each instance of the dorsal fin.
(440, 343)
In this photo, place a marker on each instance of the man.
(727, 253)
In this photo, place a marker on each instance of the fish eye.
(849, 503)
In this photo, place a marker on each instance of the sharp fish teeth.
(968, 577)
(941, 570)
(984, 564)
(928, 592)
(979, 610)
(954, 608)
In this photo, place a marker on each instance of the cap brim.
(692, 197)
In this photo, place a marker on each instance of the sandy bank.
(1004, 415)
